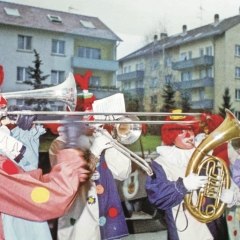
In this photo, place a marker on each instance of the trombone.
(128, 127)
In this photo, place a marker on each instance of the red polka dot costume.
(33, 196)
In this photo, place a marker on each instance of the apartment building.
(202, 61)
(66, 42)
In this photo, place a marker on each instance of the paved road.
(160, 235)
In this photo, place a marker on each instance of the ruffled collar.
(175, 156)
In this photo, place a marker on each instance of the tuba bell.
(65, 92)
(207, 206)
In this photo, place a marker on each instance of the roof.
(37, 18)
(206, 31)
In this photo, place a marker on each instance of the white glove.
(99, 144)
(194, 182)
(227, 196)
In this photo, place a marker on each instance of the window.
(183, 56)
(154, 100)
(168, 61)
(154, 64)
(141, 66)
(190, 55)
(209, 72)
(202, 73)
(94, 81)
(237, 50)
(186, 76)
(24, 42)
(86, 52)
(168, 78)
(12, 12)
(237, 72)
(87, 24)
(139, 84)
(137, 66)
(125, 70)
(22, 74)
(57, 77)
(201, 52)
(58, 46)
(237, 94)
(54, 18)
(201, 95)
(154, 82)
(129, 68)
(237, 114)
(209, 51)
(127, 85)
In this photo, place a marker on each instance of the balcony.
(202, 104)
(136, 75)
(101, 92)
(94, 64)
(192, 63)
(135, 91)
(198, 83)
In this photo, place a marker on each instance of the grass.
(149, 143)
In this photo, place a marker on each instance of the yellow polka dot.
(40, 195)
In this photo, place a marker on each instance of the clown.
(167, 190)
(96, 213)
(27, 198)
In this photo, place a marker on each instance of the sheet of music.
(112, 104)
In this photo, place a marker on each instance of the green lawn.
(149, 143)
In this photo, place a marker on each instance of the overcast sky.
(132, 20)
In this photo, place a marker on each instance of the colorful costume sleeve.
(236, 172)
(38, 197)
(163, 193)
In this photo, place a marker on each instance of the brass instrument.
(65, 92)
(216, 170)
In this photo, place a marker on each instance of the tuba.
(216, 170)
(65, 92)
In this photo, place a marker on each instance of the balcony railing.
(101, 92)
(198, 83)
(202, 104)
(136, 75)
(95, 64)
(135, 91)
(192, 63)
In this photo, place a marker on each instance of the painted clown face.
(185, 139)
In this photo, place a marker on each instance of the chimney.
(155, 38)
(184, 29)
(163, 35)
(216, 19)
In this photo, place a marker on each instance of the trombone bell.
(128, 133)
(65, 92)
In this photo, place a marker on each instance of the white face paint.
(185, 139)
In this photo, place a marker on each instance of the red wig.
(169, 132)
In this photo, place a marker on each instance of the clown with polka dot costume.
(28, 196)
(96, 213)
